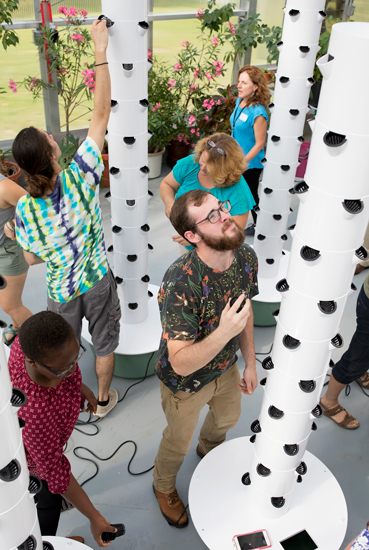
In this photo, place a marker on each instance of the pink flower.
(171, 83)
(77, 37)
(208, 76)
(178, 66)
(231, 27)
(89, 79)
(191, 120)
(196, 72)
(219, 102)
(157, 106)
(149, 54)
(200, 13)
(63, 10)
(33, 83)
(194, 87)
(83, 13)
(215, 41)
(206, 117)
(192, 130)
(185, 44)
(13, 86)
(72, 12)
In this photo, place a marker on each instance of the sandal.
(12, 332)
(364, 380)
(332, 412)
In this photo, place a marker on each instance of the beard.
(225, 242)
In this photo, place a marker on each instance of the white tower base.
(220, 509)
(61, 543)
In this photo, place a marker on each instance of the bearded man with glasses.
(206, 315)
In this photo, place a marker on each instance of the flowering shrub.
(70, 59)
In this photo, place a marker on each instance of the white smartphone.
(252, 541)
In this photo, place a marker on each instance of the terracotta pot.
(14, 177)
(105, 178)
(177, 150)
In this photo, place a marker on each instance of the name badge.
(243, 117)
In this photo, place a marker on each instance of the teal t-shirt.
(242, 124)
(186, 173)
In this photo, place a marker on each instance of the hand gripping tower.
(283, 484)
(298, 48)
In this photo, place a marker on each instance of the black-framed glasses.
(60, 374)
(215, 146)
(214, 215)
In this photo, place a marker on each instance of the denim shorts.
(101, 307)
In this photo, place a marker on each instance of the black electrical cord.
(263, 353)
(90, 422)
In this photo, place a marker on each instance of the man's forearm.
(247, 346)
(195, 356)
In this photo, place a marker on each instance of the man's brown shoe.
(172, 508)
(78, 539)
(200, 452)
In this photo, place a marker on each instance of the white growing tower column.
(298, 48)
(19, 526)
(331, 224)
(127, 139)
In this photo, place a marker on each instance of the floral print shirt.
(191, 299)
(362, 541)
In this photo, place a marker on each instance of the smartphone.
(252, 541)
(246, 296)
(301, 540)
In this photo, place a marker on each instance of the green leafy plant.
(5, 169)
(8, 37)
(68, 147)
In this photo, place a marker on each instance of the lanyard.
(237, 117)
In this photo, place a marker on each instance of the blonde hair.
(224, 170)
(262, 94)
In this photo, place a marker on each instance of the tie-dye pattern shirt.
(65, 228)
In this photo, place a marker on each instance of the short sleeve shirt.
(65, 227)
(362, 541)
(50, 415)
(186, 173)
(242, 124)
(191, 299)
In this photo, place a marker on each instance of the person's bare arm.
(32, 259)
(168, 189)
(260, 130)
(249, 380)
(98, 524)
(186, 357)
(102, 96)
(10, 193)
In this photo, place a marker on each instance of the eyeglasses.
(215, 146)
(60, 374)
(214, 215)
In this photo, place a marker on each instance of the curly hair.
(44, 334)
(224, 170)
(262, 94)
(33, 153)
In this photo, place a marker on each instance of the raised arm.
(102, 96)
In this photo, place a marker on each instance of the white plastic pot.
(286, 121)
(22, 518)
(131, 240)
(268, 247)
(10, 432)
(11, 492)
(292, 94)
(277, 482)
(128, 83)
(128, 183)
(124, 11)
(155, 163)
(271, 453)
(127, 42)
(283, 150)
(129, 116)
(130, 155)
(272, 224)
(278, 176)
(294, 61)
(130, 266)
(274, 200)
(129, 212)
(305, 27)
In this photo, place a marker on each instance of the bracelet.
(11, 225)
(105, 63)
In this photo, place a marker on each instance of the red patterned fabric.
(50, 415)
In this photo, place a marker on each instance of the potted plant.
(8, 168)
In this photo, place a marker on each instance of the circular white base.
(267, 289)
(220, 510)
(61, 543)
(140, 338)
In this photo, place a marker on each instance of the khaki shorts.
(101, 307)
(12, 261)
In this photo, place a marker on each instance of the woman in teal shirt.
(216, 166)
(249, 125)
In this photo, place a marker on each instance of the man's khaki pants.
(182, 412)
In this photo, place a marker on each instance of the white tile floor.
(122, 497)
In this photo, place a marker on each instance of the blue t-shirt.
(242, 124)
(186, 173)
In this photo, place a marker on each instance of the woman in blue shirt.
(216, 166)
(249, 125)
